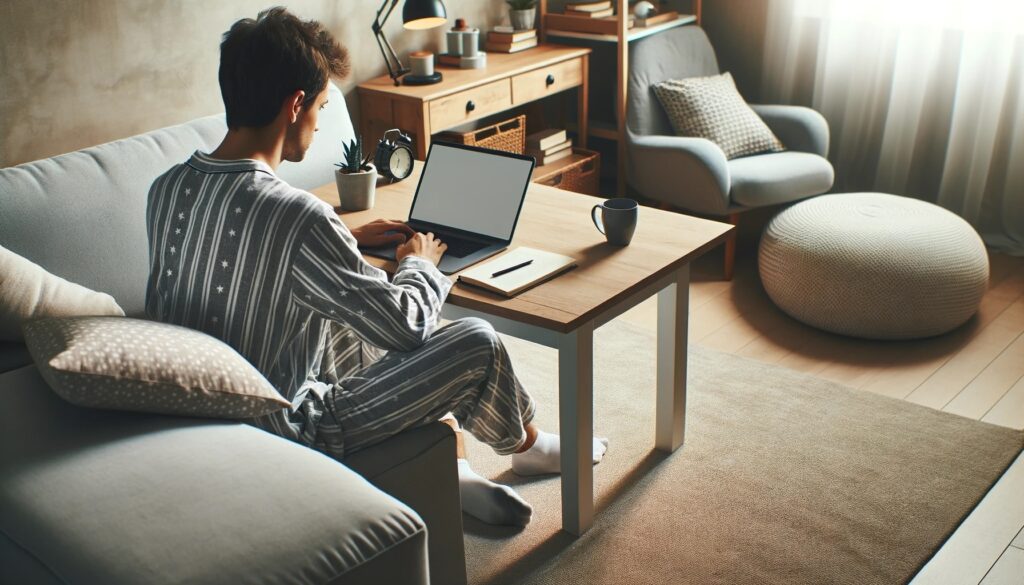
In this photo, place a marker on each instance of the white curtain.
(923, 98)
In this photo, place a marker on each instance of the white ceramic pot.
(356, 190)
(522, 19)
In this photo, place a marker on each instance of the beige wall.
(74, 73)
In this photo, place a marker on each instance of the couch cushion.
(779, 177)
(145, 366)
(82, 215)
(108, 497)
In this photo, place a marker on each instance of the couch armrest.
(691, 173)
(799, 128)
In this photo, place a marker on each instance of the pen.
(511, 268)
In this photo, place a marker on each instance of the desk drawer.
(471, 104)
(538, 83)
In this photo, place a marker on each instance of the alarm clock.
(394, 157)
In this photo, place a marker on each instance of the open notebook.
(545, 265)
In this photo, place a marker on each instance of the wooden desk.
(563, 313)
(465, 95)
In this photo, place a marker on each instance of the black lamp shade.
(420, 14)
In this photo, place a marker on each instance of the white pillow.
(27, 291)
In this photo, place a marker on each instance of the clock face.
(400, 163)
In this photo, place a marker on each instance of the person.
(271, 270)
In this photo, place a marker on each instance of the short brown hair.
(263, 61)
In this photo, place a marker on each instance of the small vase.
(356, 190)
(522, 19)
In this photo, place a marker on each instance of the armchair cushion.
(711, 107)
(781, 177)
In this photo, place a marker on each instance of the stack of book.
(587, 17)
(590, 9)
(547, 146)
(506, 40)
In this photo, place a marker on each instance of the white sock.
(490, 502)
(545, 455)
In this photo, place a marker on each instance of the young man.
(270, 269)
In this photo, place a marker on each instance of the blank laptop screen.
(473, 191)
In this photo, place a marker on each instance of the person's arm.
(331, 278)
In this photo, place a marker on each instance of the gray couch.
(90, 496)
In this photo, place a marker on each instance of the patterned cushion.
(131, 364)
(712, 108)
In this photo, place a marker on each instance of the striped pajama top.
(241, 255)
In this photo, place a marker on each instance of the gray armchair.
(692, 173)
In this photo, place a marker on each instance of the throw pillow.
(27, 290)
(132, 364)
(712, 108)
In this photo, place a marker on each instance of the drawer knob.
(550, 80)
(470, 106)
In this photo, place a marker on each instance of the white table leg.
(576, 426)
(673, 326)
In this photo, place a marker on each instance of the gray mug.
(618, 220)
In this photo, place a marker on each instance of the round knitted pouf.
(874, 265)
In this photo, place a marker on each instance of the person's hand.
(376, 234)
(425, 246)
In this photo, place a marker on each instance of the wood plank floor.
(976, 371)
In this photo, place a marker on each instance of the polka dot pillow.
(712, 108)
(130, 364)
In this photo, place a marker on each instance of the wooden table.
(464, 95)
(563, 313)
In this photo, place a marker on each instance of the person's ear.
(294, 104)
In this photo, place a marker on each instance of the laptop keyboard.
(460, 248)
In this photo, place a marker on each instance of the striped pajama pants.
(463, 369)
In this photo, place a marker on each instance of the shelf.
(547, 171)
(631, 34)
(601, 129)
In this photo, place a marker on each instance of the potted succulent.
(522, 13)
(356, 178)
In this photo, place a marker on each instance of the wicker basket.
(509, 136)
(581, 175)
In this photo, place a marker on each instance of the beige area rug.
(783, 478)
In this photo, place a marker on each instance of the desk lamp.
(416, 15)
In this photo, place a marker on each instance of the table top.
(559, 221)
(499, 66)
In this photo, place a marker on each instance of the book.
(510, 47)
(596, 14)
(504, 28)
(545, 153)
(545, 139)
(449, 60)
(570, 23)
(547, 159)
(588, 6)
(658, 18)
(544, 266)
(499, 37)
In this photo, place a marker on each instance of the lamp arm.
(382, 41)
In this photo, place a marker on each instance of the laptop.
(470, 198)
